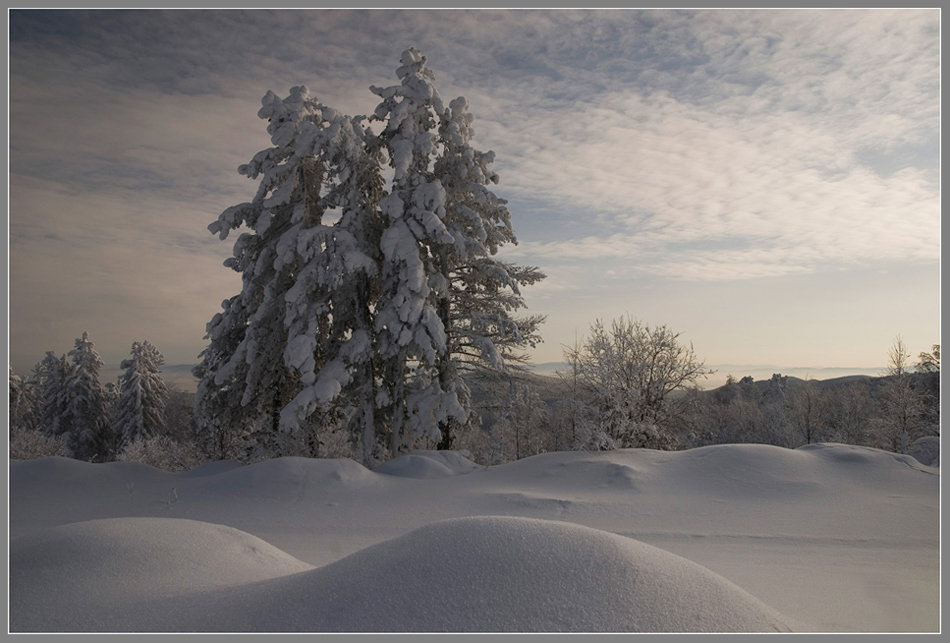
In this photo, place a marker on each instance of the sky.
(764, 182)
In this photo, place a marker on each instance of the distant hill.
(756, 371)
(179, 375)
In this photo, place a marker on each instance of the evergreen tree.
(482, 292)
(412, 336)
(54, 399)
(25, 400)
(16, 391)
(359, 306)
(280, 350)
(140, 408)
(222, 431)
(17, 395)
(445, 300)
(25, 440)
(86, 417)
(245, 382)
(330, 307)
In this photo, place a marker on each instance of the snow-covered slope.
(835, 537)
(113, 573)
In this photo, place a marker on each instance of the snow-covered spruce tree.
(482, 292)
(363, 318)
(52, 371)
(222, 431)
(140, 408)
(25, 440)
(16, 392)
(287, 346)
(25, 415)
(329, 309)
(23, 403)
(444, 299)
(411, 337)
(86, 419)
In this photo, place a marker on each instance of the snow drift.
(507, 574)
(106, 575)
(837, 538)
(428, 464)
(480, 574)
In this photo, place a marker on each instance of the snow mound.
(59, 470)
(211, 468)
(428, 464)
(500, 574)
(754, 472)
(102, 575)
(285, 477)
(866, 461)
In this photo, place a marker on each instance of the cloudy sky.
(765, 182)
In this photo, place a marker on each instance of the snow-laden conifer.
(86, 418)
(16, 390)
(289, 344)
(52, 371)
(482, 292)
(25, 414)
(244, 383)
(222, 432)
(411, 333)
(329, 309)
(359, 306)
(140, 409)
(447, 301)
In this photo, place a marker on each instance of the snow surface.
(725, 538)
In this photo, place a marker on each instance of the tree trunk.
(445, 364)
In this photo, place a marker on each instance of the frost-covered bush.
(161, 452)
(31, 443)
(630, 373)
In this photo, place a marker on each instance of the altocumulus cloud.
(698, 145)
(785, 160)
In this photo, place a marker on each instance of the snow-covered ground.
(825, 538)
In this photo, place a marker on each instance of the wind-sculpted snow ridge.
(481, 574)
(757, 472)
(429, 464)
(275, 478)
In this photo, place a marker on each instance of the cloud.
(696, 145)
(786, 169)
(124, 266)
(672, 173)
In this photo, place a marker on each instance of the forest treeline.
(898, 411)
(61, 408)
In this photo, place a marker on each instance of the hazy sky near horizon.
(765, 182)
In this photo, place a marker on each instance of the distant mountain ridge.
(758, 372)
